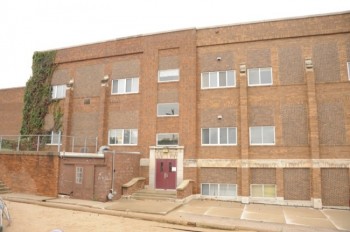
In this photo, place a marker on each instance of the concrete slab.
(140, 206)
(302, 212)
(24, 196)
(87, 203)
(339, 218)
(310, 222)
(225, 212)
(263, 213)
(214, 203)
(193, 210)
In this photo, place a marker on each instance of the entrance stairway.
(155, 194)
(3, 188)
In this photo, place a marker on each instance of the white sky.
(36, 25)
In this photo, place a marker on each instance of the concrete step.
(3, 188)
(152, 194)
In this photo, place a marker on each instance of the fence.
(81, 144)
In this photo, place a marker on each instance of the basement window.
(219, 190)
(79, 175)
(263, 190)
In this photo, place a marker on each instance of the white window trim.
(54, 92)
(268, 84)
(60, 139)
(219, 87)
(175, 70)
(175, 115)
(263, 190)
(219, 196)
(132, 80)
(215, 145)
(171, 145)
(262, 144)
(122, 144)
(79, 179)
(348, 70)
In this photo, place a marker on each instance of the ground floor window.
(263, 190)
(79, 175)
(219, 190)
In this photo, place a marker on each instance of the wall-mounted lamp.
(242, 68)
(104, 81)
(218, 58)
(70, 84)
(219, 117)
(308, 64)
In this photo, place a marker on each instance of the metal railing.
(79, 144)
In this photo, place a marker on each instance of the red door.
(166, 174)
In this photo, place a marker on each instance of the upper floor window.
(167, 139)
(124, 86)
(168, 109)
(168, 75)
(349, 71)
(58, 91)
(219, 79)
(55, 138)
(259, 76)
(219, 136)
(122, 136)
(262, 135)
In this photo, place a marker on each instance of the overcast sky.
(37, 25)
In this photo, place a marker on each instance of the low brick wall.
(30, 172)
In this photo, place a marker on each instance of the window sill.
(223, 87)
(125, 145)
(219, 145)
(118, 94)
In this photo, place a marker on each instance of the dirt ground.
(27, 217)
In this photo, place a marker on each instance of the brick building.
(256, 112)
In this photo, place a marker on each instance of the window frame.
(131, 131)
(125, 86)
(348, 65)
(55, 88)
(219, 137)
(259, 71)
(177, 70)
(55, 135)
(219, 189)
(218, 79)
(262, 133)
(263, 190)
(167, 145)
(79, 175)
(171, 115)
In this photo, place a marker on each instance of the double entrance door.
(166, 173)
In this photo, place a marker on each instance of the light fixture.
(308, 63)
(70, 83)
(105, 79)
(218, 58)
(219, 117)
(242, 68)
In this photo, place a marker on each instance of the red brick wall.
(31, 173)
(297, 184)
(11, 106)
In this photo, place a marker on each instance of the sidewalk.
(206, 213)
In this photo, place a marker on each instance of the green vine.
(57, 117)
(37, 96)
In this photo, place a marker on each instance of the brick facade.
(308, 104)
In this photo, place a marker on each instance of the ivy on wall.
(37, 96)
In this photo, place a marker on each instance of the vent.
(87, 101)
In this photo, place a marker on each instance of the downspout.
(113, 172)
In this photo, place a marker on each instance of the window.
(349, 71)
(123, 137)
(222, 136)
(170, 139)
(259, 76)
(58, 91)
(168, 75)
(78, 175)
(55, 138)
(263, 190)
(220, 190)
(262, 135)
(220, 79)
(168, 109)
(124, 86)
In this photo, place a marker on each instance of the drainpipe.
(113, 171)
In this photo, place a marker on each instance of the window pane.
(265, 76)
(119, 136)
(253, 76)
(257, 190)
(205, 136)
(134, 136)
(169, 75)
(223, 135)
(231, 190)
(115, 86)
(213, 79)
(126, 136)
(55, 137)
(231, 78)
(168, 109)
(255, 135)
(213, 133)
(168, 139)
(121, 86)
(222, 79)
(54, 91)
(128, 85)
(205, 189)
(223, 189)
(268, 134)
(269, 190)
(112, 135)
(232, 136)
(135, 85)
(205, 80)
(214, 190)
